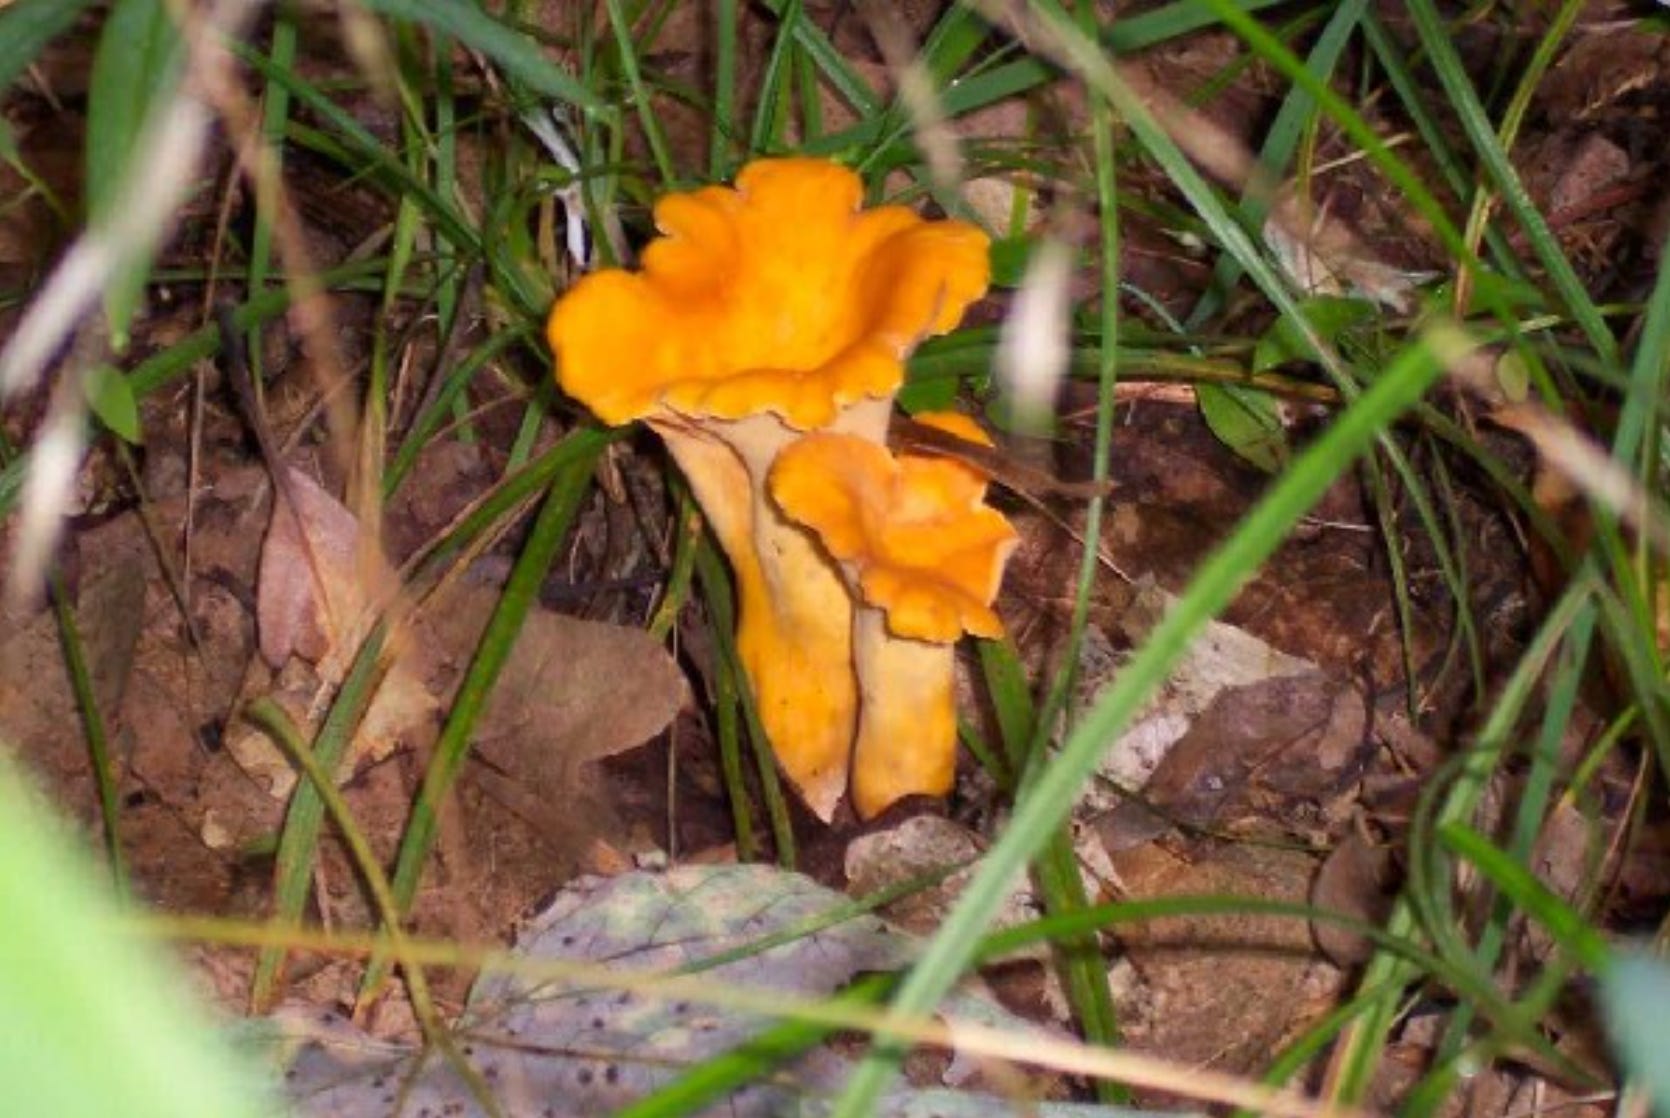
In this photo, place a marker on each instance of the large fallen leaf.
(572, 692)
(1220, 658)
(548, 1048)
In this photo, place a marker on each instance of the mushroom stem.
(794, 613)
(907, 723)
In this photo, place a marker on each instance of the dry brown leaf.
(572, 692)
(311, 593)
(1357, 879)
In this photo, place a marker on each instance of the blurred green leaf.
(93, 1022)
(1009, 257)
(1488, 290)
(111, 397)
(927, 395)
(27, 26)
(1634, 991)
(1331, 316)
(134, 69)
(1248, 422)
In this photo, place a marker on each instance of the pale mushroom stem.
(794, 613)
(907, 722)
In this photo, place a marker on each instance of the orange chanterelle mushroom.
(761, 313)
(924, 555)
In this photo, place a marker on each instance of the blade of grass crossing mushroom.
(27, 26)
(521, 592)
(1059, 784)
(716, 592)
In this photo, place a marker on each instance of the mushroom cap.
(914, 533)
(779, 295)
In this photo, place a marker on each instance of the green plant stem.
(98, 741)
(298, 845)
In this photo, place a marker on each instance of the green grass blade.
(847, 81)
(429, 421)
(716, 591)
(1387, 974)
(1060, 783)
(1170, 21)
(771, 110)
(641, 98)
(718, 1078)
(27, 26)
(1440, 47)
(98, 740)
(1530, 896)
(1281, 142)
(298, 845)
(719, 157)
(1644, 408)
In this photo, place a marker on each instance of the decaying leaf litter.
(1300, 752)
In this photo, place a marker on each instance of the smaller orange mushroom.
(923, 554)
